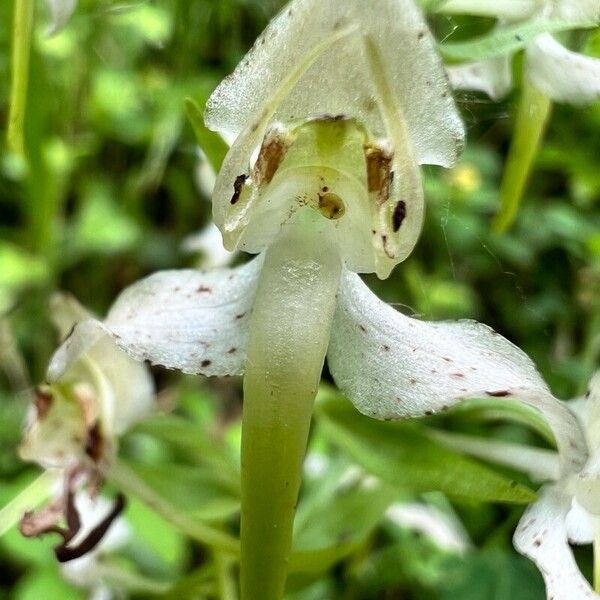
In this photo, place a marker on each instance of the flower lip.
(330, 164)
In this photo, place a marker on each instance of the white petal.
(585, 485)
(561, 74)
(188, 320)
(542, 536)
(503, 9)
(577, 10)
(391, 366)
(493, 76)
(587, 409)
(337, 82)
(128, 385)
(580, 527)
(124, 388)
(60, 12)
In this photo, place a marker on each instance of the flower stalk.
(532, 117)
(21, 50)
(289, 335)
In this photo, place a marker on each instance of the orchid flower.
(73, 426)
(568, 506)
(333, 111)
(551, 72)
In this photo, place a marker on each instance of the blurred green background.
(111, 191)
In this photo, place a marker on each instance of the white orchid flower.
(60, 12)
(78, 417)
(336, 106)
(568, 507)
(72, 431)
(560, 74)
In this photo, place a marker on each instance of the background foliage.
(111, 193)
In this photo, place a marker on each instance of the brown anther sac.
(499, 394)
(272, 153)
(94, 443)
(65, 553)
(398, 215)
(43, 402)
(237, 188)
(379, 170)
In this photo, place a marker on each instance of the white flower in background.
(60, 12)
(559, 73)
(72, 431)
(77, 418)
(443, 529)
(568, 507)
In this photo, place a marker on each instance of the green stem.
(289, 334)
(227, 584)
(21, 48)
(125, 479)
(532, 116)
(28, 499)
(131, 581)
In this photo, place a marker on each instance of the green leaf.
(155, 539)
(400, 454)
(195, 490)
(19, 271)
(343, 507)
(211, 143)
(45, 583)
(491, 574)
(506, 40)
(196, 442)
(102, 226)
